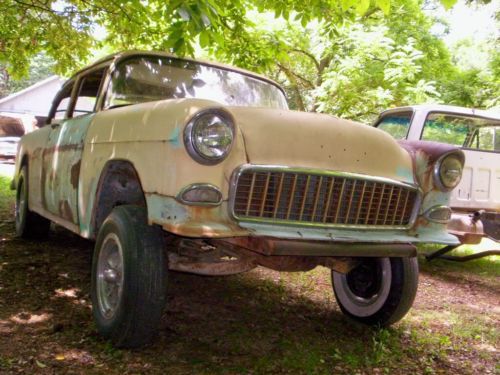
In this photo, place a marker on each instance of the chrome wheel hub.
(110, 276)
(364, 290)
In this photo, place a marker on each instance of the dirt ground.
(261, 322)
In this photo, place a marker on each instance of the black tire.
(29, 224)
(379, 291)
(131, 319)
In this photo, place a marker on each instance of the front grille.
(325, 199)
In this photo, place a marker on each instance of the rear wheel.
(379, 291)
(28, 223)
(129, 274)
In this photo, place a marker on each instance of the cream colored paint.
(300, 139)
(150, 136)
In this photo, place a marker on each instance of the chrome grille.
(283, 195)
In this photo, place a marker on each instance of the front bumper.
(215, 222)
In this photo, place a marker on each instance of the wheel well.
(24, 161)
(119, 184)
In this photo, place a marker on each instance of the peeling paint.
(75, 173)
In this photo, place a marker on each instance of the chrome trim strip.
(197, 186)
(320, 172)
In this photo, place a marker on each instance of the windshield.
(462, 130)
(396, 124)
(149, 78)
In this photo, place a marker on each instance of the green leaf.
(346, 4)
(204, 39)
(362, 6)
(448, 3)
(385, 5)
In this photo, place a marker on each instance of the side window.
(462, 130)
(87, 95)
(64, 100)
(396, 124)
(486, 138)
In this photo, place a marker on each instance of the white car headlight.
(448, 171)
(209, 136)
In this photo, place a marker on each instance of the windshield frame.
(121, 59)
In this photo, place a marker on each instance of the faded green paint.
(61, 167)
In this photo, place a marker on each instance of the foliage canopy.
(63, 29)
(351, 58)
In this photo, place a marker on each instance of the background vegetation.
(350, 58)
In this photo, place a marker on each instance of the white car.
(476, 199)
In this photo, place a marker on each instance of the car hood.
(311, 140)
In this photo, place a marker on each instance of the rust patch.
(43, 180)
(424, 155)
(434, 150)
(65, 210)
(75, 173)
(63, 148)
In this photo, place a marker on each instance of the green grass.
(487, 266)
(6, 195)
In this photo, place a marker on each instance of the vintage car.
(476, 199)
(172, 163)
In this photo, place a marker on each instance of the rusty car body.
(145, 152)
(476, 199)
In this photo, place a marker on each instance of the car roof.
(447, 109)
(115, 57)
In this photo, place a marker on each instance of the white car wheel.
(379, 291)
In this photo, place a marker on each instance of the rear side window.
(486, 138)
(462, 130)
(396, 124)
(87, 95)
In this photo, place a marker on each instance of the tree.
(353, 69)
(41, 67)
(64, 29)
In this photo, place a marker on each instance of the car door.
(66, 141)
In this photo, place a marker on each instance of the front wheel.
(379, 291)
(129, 274)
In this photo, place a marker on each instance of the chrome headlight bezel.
(191, 127)
(438, 170)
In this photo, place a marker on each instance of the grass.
(487, 266)
(6, 195)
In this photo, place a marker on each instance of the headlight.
(209, 136)
(448, 171)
